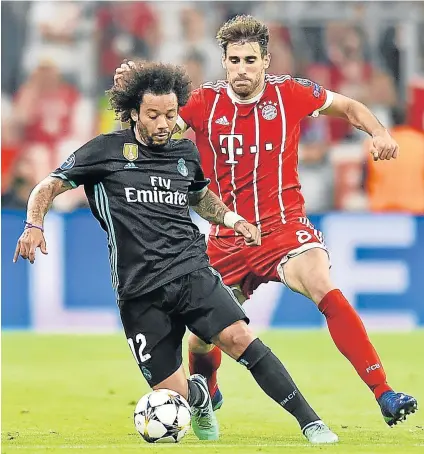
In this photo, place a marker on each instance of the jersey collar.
(237, 100)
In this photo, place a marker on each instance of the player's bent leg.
(195, 391)
(238, 341)
(205, 359)
(308, 274)
(176, 382)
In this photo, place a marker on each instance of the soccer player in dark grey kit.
(140, 184)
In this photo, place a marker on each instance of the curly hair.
(243, 29)
(148, 77)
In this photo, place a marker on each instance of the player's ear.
(134, 115)
(224, 65)
(267, 61)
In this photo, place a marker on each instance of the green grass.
(74, 394)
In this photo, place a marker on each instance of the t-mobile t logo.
(231, 144)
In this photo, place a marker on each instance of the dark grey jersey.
(140, 197)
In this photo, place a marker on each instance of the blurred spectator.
(352, 74)
(57, 29)
(125, 30)
(398, 185)
(194, 64)
(10, 144)
(415, 103)
(195, 37)
(13, 33)
(281, 50)
(24, 179)
(49, 110)
(316, 172)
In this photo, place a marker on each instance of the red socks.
(206, 364)
(350, 337)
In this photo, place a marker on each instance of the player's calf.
(239, 342)
(205, 359)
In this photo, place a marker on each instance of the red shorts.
(250, 266)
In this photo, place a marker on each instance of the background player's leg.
(191, 391)
(239, 342)
(205, 359)
(308, 273)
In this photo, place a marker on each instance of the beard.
(244, 90)
(151, 140)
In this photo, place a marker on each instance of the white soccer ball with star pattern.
(162, 416)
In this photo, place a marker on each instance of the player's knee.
(319, 288)
(234, 339)
(196, 345)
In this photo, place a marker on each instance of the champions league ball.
(162, 416)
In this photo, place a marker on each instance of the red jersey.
(249, 150)
(51, 116)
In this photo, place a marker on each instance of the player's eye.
(153, 117)
(170, 117)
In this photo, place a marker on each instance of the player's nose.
(241, 69)
(162, 123)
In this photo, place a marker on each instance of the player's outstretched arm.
(39, 203)
(359, 116)
(208, 205)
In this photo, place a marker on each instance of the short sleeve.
(86, 165)
(309, 98)
(199, 181)
(191, 115)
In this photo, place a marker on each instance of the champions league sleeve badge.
(69, 163)
(182, 168)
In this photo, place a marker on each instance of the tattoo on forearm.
(42, 197)
(211, 208)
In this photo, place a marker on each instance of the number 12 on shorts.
(140, 339)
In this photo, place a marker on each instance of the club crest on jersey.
(269, 110)
(182, 168)
(69, 163)
(130, 151)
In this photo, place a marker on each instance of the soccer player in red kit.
(247, 131)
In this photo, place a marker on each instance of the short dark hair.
(148, 77)
(243, 29)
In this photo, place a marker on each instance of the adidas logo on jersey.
(130, 165)
(222, 121)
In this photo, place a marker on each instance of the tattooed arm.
(42, 196)
(39, 203)
(208, 205)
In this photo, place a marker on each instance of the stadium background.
(63, 392)
(58, 58)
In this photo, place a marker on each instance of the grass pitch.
(63, 393)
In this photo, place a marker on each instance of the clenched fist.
(383, 146)
(252, 236)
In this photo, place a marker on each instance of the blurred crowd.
(58, 58)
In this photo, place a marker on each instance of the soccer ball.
(162, 416)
